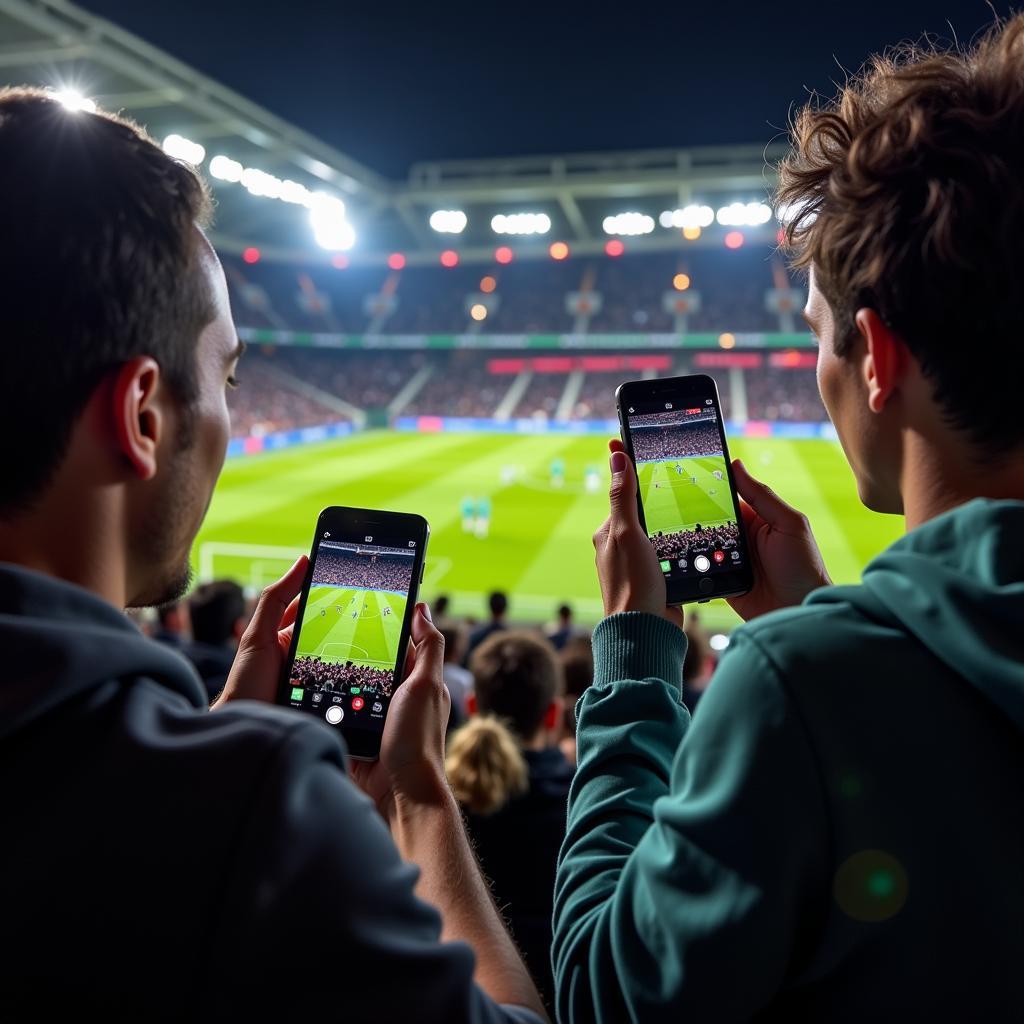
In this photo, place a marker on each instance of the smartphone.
(672, 430)
(355, 614)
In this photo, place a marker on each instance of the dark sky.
(391, 83)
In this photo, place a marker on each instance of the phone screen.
(353, 625)
(685, 485)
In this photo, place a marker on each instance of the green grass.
(343, 624)
(673, 502)
(539, 544)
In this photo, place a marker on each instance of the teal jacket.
(839, 832)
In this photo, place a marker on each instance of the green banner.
(618, 342)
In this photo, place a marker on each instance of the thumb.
(764, 501)
(274, 604)
(622, 495)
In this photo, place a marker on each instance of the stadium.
(472, 331)
(263, 262)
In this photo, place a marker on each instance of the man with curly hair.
(839, 832)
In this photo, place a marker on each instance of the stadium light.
(734, 239)
(452, 222)
(396, 261)
(727, 340)
(692, 216)
(330, 228)
(73, 100)
(184, 149)
(787, 212)
(226, 169)
(691, 233)
(613, 247)
(339, 261)
(744, 215)
(631, 223)
(449, 258)
(559, 251)
(503, 254)
(521, 224)
(251, 254)
(488, 284)
(478, 312)
(681, 282)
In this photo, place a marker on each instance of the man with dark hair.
(160, 860)
(173, 627)
(217, 611)
(560, 635)
(839, 832)
(497, 603)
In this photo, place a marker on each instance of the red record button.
(357, 703)
(719, 556)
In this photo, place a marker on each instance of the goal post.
(253, 565)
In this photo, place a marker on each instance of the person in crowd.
(845, 809)
(497, 604)
(217, 612)
(698, 663)
(506, 770)
(207, 845)
(560, 635)
(459, 680)
(173, 625)
(441, 606)
(577, 659)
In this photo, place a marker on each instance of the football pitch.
(673, 501)
(344, 624)
(538, 545)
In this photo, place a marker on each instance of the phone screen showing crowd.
(684, 488)
(349, 638)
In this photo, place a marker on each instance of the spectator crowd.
(388, 569)
(694, 439)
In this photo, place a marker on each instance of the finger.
(748, 515)
(763, 500)
(274, 602)
(290, 613)
(616, 445)
(622, 495)
(429, 642)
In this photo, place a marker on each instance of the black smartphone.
(673, 431)
(355, 614)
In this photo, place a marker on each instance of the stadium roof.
(55, 44)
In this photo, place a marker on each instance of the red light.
(559, 251)
(503, 254)
(339, 261)
(396, 261)
(780, 236)
(251, 255)
(614, 247)
(734, 239)
(449, 258)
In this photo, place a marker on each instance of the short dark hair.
(516, 676)
(906, 198)
(498, 603)
(215, 608)
(100, 262)
(564, 611)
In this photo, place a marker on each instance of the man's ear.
(885, 358)
(138, 418)
(471, 705)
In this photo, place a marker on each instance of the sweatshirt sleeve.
(328, 924)
(695, 853)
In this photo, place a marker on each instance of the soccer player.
(468, 515)
(483, 517)
(558, 473)
(679, 469)
(838, 834)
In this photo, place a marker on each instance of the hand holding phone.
(349, 645)
(631, 579)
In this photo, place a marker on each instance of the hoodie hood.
(956, 584)
(60, 641)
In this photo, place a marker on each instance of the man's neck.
(70, 538)
(938, 478)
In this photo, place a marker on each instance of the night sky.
(392, 83)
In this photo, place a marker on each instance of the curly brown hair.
(906, 194)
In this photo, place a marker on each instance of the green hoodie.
(839, 832)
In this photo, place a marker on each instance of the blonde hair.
(485, 766)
